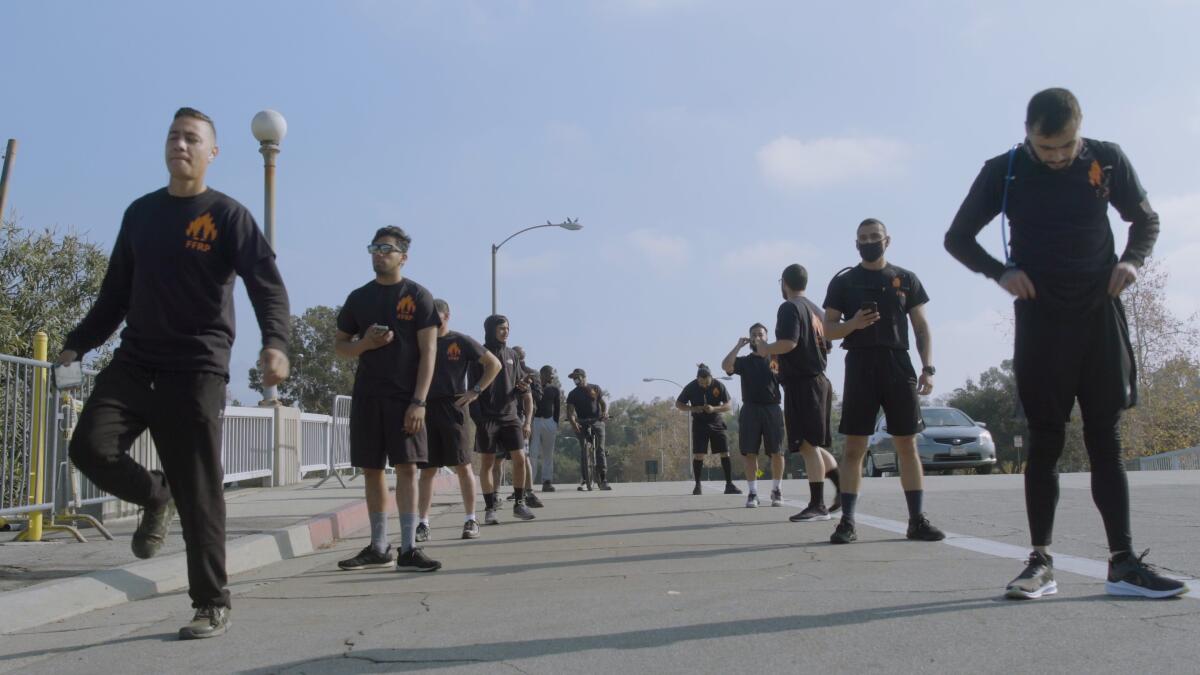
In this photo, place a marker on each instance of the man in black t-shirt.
(881, 299)
(1072, 338)
(498, 427)
(530, 376)
(707, 400)
(446, 421)
(546, 410)
(800, 348)
(760, 421)
(170, 279)
(390, 326)
(586, 411)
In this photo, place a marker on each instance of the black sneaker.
(837, 503)
(422, 532)
(522, 511)
(152, 530)
(731, 489)
(416, 561)
(582, 487)
(547, 486)
(1129, 575)
(511, 498)
(208, 622)
(533, 501)
(776, 498)
(844, 534)
(811, 513)
(1037, 579)
(367, 558)
(470, 530)
(696, 490)
(604, 485)
(920, 529)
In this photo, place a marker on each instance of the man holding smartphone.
(881, 299)
(390, 326)
(707, 399)
(1072, 337)
(170, 278)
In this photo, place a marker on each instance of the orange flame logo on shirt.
(200, 232)
(406, 308)
(1095, 174)
(453, 352)
(717, 392)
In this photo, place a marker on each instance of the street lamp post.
(269, 128)
(568, 224)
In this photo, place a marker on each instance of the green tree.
(317, 374)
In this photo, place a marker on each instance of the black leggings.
(1058, 360)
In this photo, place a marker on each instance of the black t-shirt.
(1061, 235)
(896, 291)
(796, 321)
(548, 405)
(499, 401)
(405, 308)
(170, 279)
(715, 394)
(455, 352)
(759, 384)
(586, 401)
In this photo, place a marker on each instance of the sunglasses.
(383, 248)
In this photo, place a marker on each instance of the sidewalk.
(58, 577)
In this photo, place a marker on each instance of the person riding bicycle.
(587, 411)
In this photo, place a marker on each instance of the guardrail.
(37, 479)
(1188, 458)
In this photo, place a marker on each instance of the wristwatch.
(929, 370)
(477, 389)
(419, 402)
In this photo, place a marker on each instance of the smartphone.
(870, 306)
(380, 329)
(69, 376)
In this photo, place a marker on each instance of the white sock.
(777, 484)
(425, 521)
(470, 517)
(753, 485)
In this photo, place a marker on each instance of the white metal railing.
(1188, 458)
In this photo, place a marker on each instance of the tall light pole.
(10, 152)
(568, 224)
(269, 128)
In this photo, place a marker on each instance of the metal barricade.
(248, 443)
(26, 403)
(314, 443)
(1188, 458)
(339, 441)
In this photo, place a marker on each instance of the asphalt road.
(648, 578)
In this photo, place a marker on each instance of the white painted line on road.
(1085, 567)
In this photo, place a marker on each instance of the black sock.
(697, 468)
(727, 468)
(833, 478)
(914, 499)
(816, 492)
(519, 495)
(848, 500)
(489, 500)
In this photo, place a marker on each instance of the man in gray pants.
(545, 426)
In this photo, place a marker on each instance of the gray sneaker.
(422, 532)
(208, 622)
(489, 517)
(470, 530)
(152, 531)
(776, 498)
(522, 511)
(1035, 581)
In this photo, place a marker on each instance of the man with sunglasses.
(586, 411)
(390, 325)
(170, 279)
(1072, 337)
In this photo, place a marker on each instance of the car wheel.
(983, 470)
(869, 468)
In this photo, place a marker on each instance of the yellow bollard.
(37, 482)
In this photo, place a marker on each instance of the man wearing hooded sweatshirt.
(498, 427)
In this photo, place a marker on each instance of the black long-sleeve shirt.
(170, 278)
(1061, 235)
(548, 405)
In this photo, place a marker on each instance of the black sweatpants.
(1059, 357)
(182, 410)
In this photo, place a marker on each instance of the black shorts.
(760, 425)
(446, 433)
(807, 405)
(706, 439)
(498, 437)
(880, 378)
(377, 435)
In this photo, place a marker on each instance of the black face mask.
(870, 252)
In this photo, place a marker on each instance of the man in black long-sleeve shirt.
(546, 415)
(170, 278)
(1072, 339)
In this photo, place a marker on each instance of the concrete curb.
(64, 598)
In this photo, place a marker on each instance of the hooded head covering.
(489, 330)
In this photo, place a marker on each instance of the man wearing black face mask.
(881, 300)
(1072, 339)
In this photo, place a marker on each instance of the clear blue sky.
(703, 146)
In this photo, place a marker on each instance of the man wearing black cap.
(586, 411)
(1072, 338)
(708, 400)
(498, 428)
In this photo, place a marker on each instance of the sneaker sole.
(843, 541)
(370, 566)
(407, 568)
(471, 536)
(1018, 594)
(813, 519)
(185, 634)
(1126, 589)
(924, 538)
